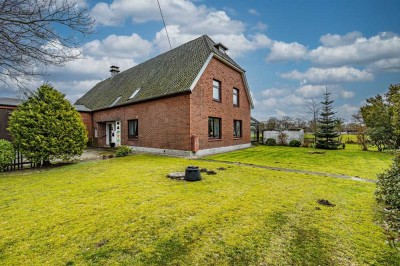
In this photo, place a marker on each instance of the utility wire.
(165, 26)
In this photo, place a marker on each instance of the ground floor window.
(133, 128)
(214, 127)
(237, 128)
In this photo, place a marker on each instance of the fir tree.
(326, 133)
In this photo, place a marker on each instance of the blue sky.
(291, 50)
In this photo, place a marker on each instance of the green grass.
(125, 211)
(344, 137)
(350, 161)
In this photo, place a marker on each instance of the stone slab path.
(354, 178)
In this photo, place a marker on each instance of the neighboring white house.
(291, 134)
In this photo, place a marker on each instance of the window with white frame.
(133, 128)
(237, 128)
(216, 90)
(214, 127)
(235, 97)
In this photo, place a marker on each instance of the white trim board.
(203, 68)
(222, 149)
(190, 153)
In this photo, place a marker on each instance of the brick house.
(7, 105)
(192, 100)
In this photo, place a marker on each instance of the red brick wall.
(202, 106)
(87, 120)
(5, 112)
(163, 123)
(169, 123)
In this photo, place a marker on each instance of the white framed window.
(235, 97)
(214, 128)
(133, 126)
(216, 90)
(237, 128)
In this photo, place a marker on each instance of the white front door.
(110, 133)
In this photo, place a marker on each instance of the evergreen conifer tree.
(47, 126)
(326, 133)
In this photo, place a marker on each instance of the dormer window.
(134, 93)
(222, 48)
(116, 101)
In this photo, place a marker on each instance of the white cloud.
(346, 111)
(119, 46)
(75, 89)
(390, 65)
(311, 91)
(281, 51)
(334, 40)
(216, 22)
(316, 91)
(329, 75)
(140, 11)
(288, 100)
(270, 102)
(274, 92)
(253, 11)
(185, 21)
(89, 68)
(360, 51)
(260, 26)
(346, 94)
(238, 44)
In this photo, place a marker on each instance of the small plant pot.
(112, 144)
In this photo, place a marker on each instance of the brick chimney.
(114, 71)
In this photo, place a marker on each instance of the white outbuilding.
(297, 134)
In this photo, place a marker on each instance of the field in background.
(350, 161)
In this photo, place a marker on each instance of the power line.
(165, 26)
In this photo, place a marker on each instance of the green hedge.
(7, 154)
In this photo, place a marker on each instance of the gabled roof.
(10, 101)
(81, 108)
(170, 73)
(15, 102)
(254, 121)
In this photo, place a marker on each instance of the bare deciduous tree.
(361, 130)
(37, 33)
(313, 109)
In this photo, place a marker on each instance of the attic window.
(134, 93)
(222, 48)
(115, 102)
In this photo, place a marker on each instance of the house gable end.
(207, 62)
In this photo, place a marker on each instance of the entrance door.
(110, 138)
(110, 133)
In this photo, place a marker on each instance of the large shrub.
(388, 192)
(47, 126)
(123, 151)
(270, 142)
(7, 154)
(295, 143)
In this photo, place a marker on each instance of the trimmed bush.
(388, 193)
(295, 143)
(270, 142)
(123, 151)
(7, 154)
(47, 126)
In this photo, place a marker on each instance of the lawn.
(125, 211)
(350, 161)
